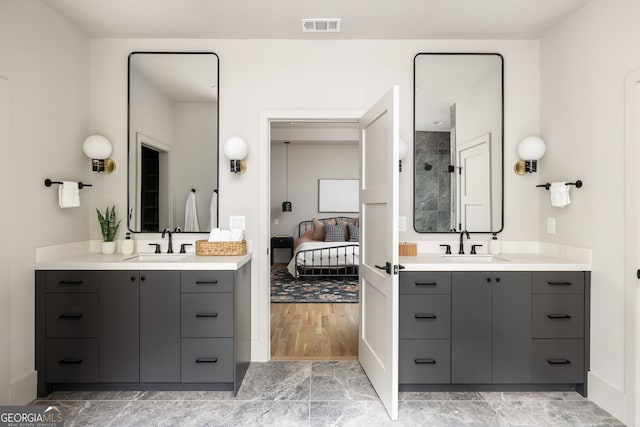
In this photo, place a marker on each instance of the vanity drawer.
(558, 316)
(425, 282)
(207, 281)
(72, 315)
(207, 315)
(424, 362)
(72, 281)
(425, 316)
(558, 361)
(207, 360)
(558, 282)
(72, 360)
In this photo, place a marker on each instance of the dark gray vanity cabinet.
(119, 326)
(67, 327)
(491, 328)
(159, 326)
(425, 328)
(142, 330)
(527, 330)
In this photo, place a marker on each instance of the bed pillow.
(334, 233)
(354, 233)
(318, 230)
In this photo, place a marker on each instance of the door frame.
(261, 327)
(632, 249)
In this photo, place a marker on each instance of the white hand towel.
(236, 234)
(559, 194)
(191, 213)
(213, 211)
(214, 235)
(225, 236)
(69, 194)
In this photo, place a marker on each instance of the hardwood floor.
(314, 331)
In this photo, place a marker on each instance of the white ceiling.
(361, 19)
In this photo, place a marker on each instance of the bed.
(332, 254)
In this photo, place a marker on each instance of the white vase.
(108, 248)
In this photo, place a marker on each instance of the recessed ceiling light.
(439, 122)
(321, 25)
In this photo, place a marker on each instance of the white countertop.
(97, 261)
(506, 262)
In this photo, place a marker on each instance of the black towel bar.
(48, 182)
(546, 186)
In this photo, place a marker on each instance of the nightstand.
(281, 242)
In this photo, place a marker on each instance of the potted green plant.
(109, 228)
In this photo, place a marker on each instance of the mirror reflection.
(173, 141)
(458, 142)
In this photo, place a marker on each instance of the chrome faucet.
(462, 233)
(170, 248)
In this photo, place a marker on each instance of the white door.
(378, 334)
(474, 160)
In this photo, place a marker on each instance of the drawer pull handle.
(205, 282)
(559, 283)
(424, 361)
(70, 282)
(71, 361)
(70, 316)
(425, 283)
(558, 316)
(425, 316)
(558, 362)
(207, 360)
(206, 314)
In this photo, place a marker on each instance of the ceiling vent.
(321, 25)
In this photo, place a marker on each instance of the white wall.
(308, 162)
(46, 62)
(583, 65)
(195, 158)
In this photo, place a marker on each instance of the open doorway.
(314, 302)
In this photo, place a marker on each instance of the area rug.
(285, 289)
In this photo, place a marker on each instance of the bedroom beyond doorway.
(315, 317)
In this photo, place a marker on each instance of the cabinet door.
(119, 326)
(511, 328)
(471, 328)
(159, 326)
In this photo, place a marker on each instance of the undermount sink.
(474, 258)
(156, 258)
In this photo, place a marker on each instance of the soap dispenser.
(127, 245)
(494, 245)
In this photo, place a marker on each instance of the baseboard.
(608, 397)
(23, 390)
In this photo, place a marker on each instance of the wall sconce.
(236, 149)
(530, 150)
(403, 150)
(98, 149)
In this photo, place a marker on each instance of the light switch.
(276, 221)
(551, 226)
(236, 222)
(402, 223)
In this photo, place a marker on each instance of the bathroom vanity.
(509, 324)
(104, 323)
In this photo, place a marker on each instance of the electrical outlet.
(551, 225)
(402, 223)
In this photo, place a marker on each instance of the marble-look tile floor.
(322, 394)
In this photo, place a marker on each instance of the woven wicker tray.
(206, 248)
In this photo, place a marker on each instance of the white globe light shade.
(97, 147)
(531, 148)
(235, 148)
(403, 149)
